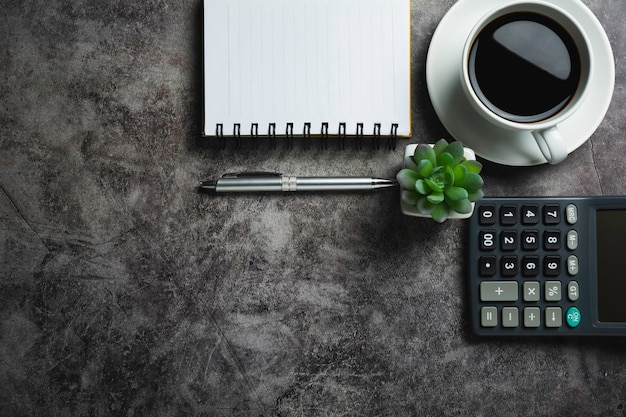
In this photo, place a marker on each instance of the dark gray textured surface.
(123, 292)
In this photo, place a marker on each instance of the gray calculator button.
(531, 291)
(532, 317)
(553, 291)
(489, 316)
(571, 213)
(572, 265)
(572, 291)
(510, 317)
(554, 317)
(572, 240)
(498, 291)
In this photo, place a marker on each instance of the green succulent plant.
(439, 180)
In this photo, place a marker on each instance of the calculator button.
(530, 214)
(553, 290)
(551, 214)
(532, 317)
(510, 317)
(508, 240)
(508, 266)
(530, 266)
(531, 291)
(498, 291)
(554, 317)
(487, 215)
(552, 240)
(489, 316)
(530, 240)
(572, 265)
(571, 213)
(572, 290)
(487, 239)
(487, 266)
(552, 266)
(508, 215)
(572, 317)
(572, 240)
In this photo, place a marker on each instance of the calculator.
(543, 266)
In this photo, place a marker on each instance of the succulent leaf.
(433, 185)
(462, 206)
(422, 188)
(424, 206)
(440, 213)
(459, 173)
(424, 152)
(476, 195)
(435, 198)
(456, 193)
(456, 150)
(425, 167)
(407, 178)
(410, 197)
(472, 182)
(473, 166)
(445, 159)
(449, 178)
(440, 146)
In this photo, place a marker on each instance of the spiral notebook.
(307, 68)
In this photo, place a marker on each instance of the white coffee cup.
(543, 126)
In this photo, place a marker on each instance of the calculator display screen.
(611, 251)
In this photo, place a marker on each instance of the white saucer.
(487, 140)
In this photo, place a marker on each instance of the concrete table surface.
(124, 292)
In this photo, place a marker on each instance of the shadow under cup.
(528, 66)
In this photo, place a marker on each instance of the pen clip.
(251, 174)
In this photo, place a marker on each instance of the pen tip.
(207, 186)
(383, 183)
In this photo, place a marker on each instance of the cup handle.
(551, 144)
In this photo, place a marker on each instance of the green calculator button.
(573, 317)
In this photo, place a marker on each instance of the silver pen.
(273, 181)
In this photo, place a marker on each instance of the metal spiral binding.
(324, 135)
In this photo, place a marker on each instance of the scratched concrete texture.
(123, 292)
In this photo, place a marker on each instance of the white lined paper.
(297, 61)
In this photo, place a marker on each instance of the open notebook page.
(307, 62)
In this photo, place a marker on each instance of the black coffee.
(524, 67)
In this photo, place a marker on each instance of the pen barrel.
(328, 183)
(293, 183)
(251, 184)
